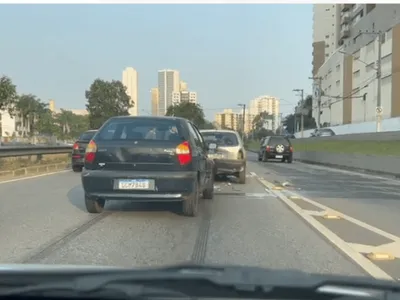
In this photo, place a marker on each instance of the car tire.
(190, 205)
(208, 192)
(283, 160)
(242, 176)
(77, 169)
(290, 160)
(259, 158)
(94, 206)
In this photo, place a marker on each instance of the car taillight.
(75, 146)
(90, 153)
(184, 153)
(291, 149)
(268, 148)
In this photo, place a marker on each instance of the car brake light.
(268, 148)
(75, 146)
(291, 149)
(90, 153)
(184, 153)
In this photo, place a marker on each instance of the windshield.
(141, 136)
(225, 139)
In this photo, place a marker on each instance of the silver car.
(227, 152)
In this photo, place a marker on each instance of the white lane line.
(35, 176)
(364, 175)
(348, 218)
(357, 257)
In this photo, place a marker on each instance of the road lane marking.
(34, 176)
(350, 219)
(357, 257)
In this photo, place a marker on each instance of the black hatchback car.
(147, 159)
(276, 147)
(78, 150)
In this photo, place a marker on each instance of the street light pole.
(243, 118)
(301, 110)
(378, 92)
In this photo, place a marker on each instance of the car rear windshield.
(141, 129)
(279, 140)
(224, 139)
(87, 136)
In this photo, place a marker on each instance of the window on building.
(370, 67)
(389, 34)
(337, 83)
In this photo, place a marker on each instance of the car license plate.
(217, 155)
(133, 184)
(278, 156)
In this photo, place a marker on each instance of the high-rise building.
(267, 104)
(326, 30)
(228, 119)
(168, 82)
(184, 96)
(154, 101)
(183, 86)
(130, 81)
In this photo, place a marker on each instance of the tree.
(8, 94)
(190, 111)
(105, 100)
(260, 120)
(292, 119)
(28, 109)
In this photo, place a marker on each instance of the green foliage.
(192, 112)
(8, 94)
(309, 121)
(106, 99)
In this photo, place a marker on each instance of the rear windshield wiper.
(213, 282)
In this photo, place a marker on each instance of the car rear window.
(224, 139)
(87, 136)
(279, 140)
(141, 129)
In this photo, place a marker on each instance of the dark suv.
(276, 147)
(147, 159)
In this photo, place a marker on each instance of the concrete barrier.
(367, 163)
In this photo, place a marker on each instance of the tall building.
(348, 76)
(154, 101)
(130, 81)
(267, 104)
(184, 96)
(228, 119)
(168, 82)
(326, 29)
(183, 86)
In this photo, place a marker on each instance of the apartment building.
(267, 104)
(168, 83)
(130, 81)
(229, 119)
(348, 75)
(154, 102)
(326, 30)
(184, 96)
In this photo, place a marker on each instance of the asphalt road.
(43, 221)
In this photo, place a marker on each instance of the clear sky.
(229, 54)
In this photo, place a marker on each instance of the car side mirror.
(212, 146)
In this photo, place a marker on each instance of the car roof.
(148, 117)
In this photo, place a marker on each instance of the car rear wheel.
(290, 159)
(242, 176)
(208, 192)
(94, 206)
(77, 169)
(190, 205)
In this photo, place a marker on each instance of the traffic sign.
(379, 109)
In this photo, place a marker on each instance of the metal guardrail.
(6, 151)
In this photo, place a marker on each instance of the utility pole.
(318, 95)
(243, 118)
(301, 110)
(379, 109)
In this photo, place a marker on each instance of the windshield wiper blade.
(220, 282)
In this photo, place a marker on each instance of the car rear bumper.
(280, 155)
(168, 186)
(228, 166)
(77, 160)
